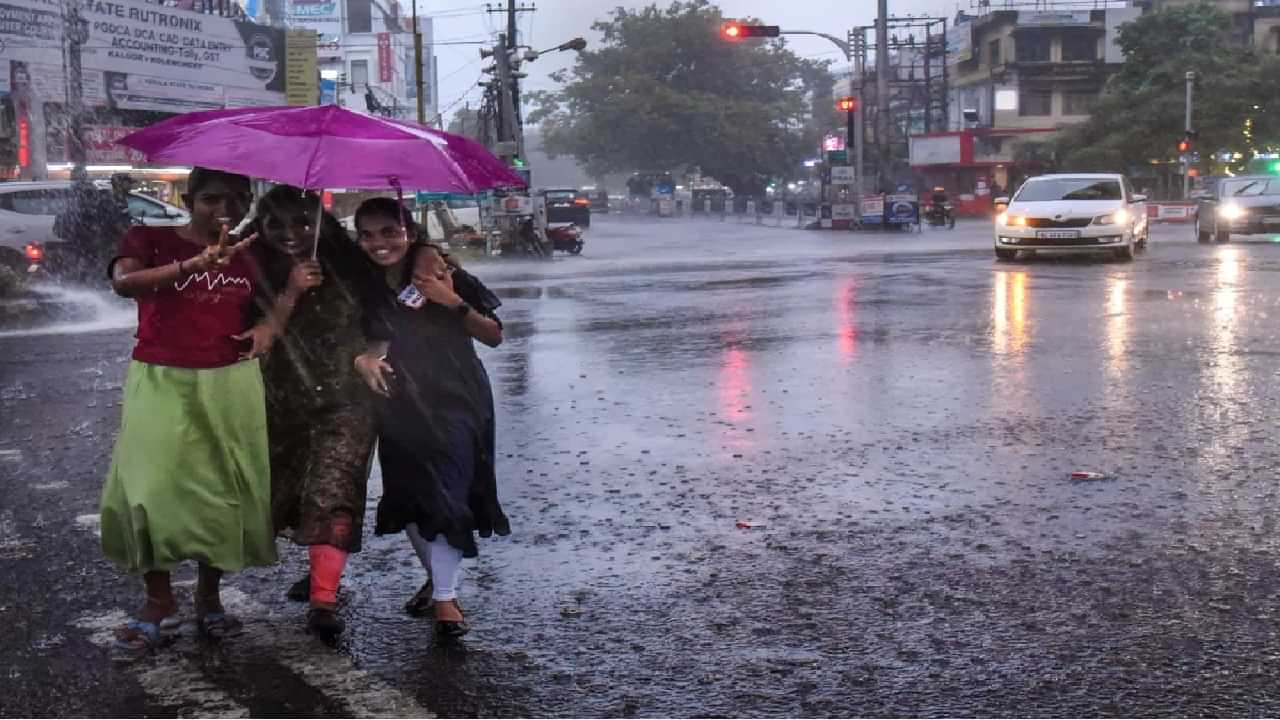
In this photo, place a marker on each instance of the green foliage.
(665, 92)
(1140, 117)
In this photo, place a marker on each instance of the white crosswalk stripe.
(176, 681)
(173, 682)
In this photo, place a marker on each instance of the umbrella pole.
(315, 246)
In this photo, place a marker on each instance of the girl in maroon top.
(189, 478)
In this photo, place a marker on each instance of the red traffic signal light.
(846, 104)
(737, 31)
(1184, 146)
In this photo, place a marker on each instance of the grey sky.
(559, 20)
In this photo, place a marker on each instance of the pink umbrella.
(324, 146)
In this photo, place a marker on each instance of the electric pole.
(882, 91)
(417, 67)
(1186, 158)
(76, 31)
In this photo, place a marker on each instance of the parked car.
(568, 206)
(1093, 213)
(1245, 205)
(28, 210)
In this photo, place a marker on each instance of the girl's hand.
(376, 373)
(438, 287)
(304, 276)
(261, 337)
(218, 255)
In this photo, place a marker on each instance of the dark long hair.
(390, 208)
(335, 247)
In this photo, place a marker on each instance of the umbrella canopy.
(324, 146)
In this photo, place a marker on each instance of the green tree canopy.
(664, 92)
(1140, 117)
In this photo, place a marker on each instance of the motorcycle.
(940, 215)
(566, 238)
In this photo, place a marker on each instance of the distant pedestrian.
(436, 420)
(319, 415)
(93, 223)
(189, 474)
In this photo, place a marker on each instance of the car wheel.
(1202, 235)
(1125, 253)
(1221, 236)
(577, 248)
(1006, 254)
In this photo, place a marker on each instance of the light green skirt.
(190, 477)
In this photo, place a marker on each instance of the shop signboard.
(322, 17)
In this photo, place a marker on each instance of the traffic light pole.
(1186, 157)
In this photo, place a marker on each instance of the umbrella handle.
(315, 246)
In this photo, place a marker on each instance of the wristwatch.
(462, 310)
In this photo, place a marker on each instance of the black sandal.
(217, 624)
(325, 623)
(301, 590)
(421, 604)
(452, 629)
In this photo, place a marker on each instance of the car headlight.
(1231, 211)
(1119, 217)
(1006, 220)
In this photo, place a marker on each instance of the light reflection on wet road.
(899, 413)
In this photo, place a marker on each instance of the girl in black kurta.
(436, 420)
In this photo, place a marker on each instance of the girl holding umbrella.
(319, 414)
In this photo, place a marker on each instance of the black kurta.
(320, 416)
(436, 431)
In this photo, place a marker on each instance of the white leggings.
(441, 561)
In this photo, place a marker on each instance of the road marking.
(331, 673)
(11, 455)
(55, 485)
(12, 545)
(173, 681)
(91, 522)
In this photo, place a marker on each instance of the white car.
(1073, 213)
(28, 209)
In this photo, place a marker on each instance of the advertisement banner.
(133, 39)
(1053, 17)
(302, 86)
(386, 63)
(841, 175)
(322, 17)
(960, 44)
(100, 145)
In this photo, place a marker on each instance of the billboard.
(303, 80)
(1053, 17)
(143, 56)
(323, 17)
(386, 64)
(941, 150)
(960, 44)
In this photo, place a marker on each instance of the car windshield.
(1069, 189)
(1251, 187)
(561, 194)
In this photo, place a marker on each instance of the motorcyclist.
(939, 198)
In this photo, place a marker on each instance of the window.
(993, 52)
(359, 75)
(35, 202)
(359, 16)
(140, 207)
(1056, 189)
(1079, 102)
(1035, 102)
(1032, 47)
(1079, 47)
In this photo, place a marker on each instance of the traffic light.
(847, 104)
(738, 31)
(1187, 143)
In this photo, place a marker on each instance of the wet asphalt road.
(897, 415)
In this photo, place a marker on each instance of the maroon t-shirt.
(189, 322)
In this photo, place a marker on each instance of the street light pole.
(882, 89)
(417, 66)
(1186, 158)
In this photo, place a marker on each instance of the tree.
(665, 92)
(1140, 117)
